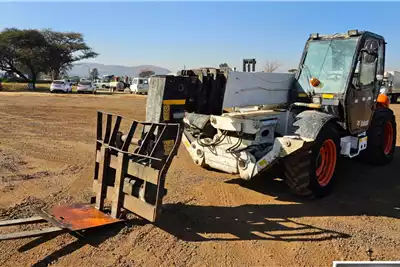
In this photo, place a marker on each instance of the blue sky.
(174, 34)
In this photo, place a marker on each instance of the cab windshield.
(330, 62)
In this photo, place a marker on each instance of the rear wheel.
(382, 135)
(311, 172)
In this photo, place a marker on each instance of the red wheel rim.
(388, 137)
(326, 162)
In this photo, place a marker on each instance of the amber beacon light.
(314, 82)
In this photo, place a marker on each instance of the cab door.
(365, 86)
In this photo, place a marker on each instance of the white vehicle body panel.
(140, 85)
(245, 89)
(86, 87)
(60, 85)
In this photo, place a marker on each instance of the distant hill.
(82, 69)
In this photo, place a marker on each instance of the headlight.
(316, 100)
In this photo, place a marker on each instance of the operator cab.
(343, 73)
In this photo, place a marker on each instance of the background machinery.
(392, 78)
(113, 82)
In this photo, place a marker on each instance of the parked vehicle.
(73, 82)
(86, 86)
(393, 83)
(118, 83)
(102, 85)
(140, 85)
(60, 86)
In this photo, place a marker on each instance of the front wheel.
(381, 135)
(311, 172)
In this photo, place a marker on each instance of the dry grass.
(23, 87)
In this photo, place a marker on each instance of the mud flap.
(284, 147)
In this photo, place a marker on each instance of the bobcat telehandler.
(334, 105)
(244, 123)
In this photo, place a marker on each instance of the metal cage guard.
(133, 180)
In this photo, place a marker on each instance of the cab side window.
(369, 63)
(381, 58)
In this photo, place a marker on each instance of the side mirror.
(379, 77)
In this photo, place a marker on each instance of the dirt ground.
(210, 219)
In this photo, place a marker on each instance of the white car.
(140, 86)
(60, 86)
(86, 86)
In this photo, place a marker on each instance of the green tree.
(94, 74)
(65, 48)
(146, 73)
(28, 53)
(23, 52)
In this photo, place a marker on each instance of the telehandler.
(302, 122)
(244, 123)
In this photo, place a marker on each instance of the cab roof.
(349, 34)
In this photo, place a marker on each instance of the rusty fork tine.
(30, 220)
(32, 233)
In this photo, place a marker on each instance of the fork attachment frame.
(130, 168)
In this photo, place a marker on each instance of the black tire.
(300, 169)
(381, 144)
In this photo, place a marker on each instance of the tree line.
(29, 53)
